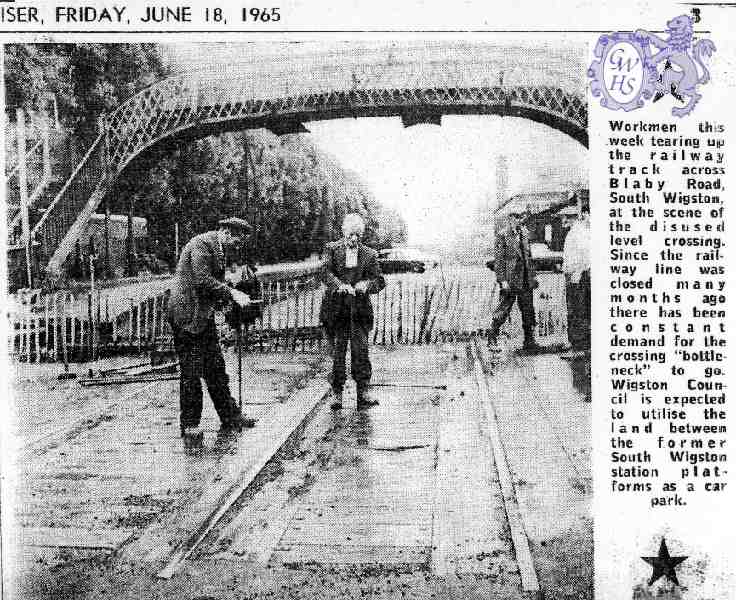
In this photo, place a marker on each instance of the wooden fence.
(411, 309)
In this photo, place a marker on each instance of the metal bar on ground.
(409, 385)
(529, 580)
(125, 368)
(99, 381)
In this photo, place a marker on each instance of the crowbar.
(409, 385)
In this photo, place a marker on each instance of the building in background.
(543, 217)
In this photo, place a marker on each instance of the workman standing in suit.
(350, 272)
(198, 289)
(576, 267)
(516, 279)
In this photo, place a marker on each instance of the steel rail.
(527, 571)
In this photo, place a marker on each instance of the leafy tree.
(85, 79)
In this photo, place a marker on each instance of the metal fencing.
(409, 310)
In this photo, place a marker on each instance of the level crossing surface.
(403, 497)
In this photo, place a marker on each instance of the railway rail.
(312, 515)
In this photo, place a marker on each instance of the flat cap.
(236, 224)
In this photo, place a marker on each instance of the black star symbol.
(664, 564)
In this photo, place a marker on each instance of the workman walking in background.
(197, 290)
(516, 279)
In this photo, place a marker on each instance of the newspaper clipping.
(323, 300)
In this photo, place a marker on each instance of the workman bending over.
(197, 288)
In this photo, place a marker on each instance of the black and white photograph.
(307, 317)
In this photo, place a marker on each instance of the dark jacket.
(199, 283)
(511, 255)
(336, 308)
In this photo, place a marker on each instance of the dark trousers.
(200, 356)
(577, 296)
(360, 364)
(506, 299)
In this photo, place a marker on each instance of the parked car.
(543, 258)
(404, 260)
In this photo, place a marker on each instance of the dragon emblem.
(680, 76)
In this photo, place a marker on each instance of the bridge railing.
(69, 202)
(208, 96)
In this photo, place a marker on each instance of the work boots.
(193, 437)
(337, 402)
(364, 400)
(493, 346)
(238, 423)
(530, 345)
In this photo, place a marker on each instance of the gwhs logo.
(626, 73)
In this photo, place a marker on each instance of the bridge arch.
(205, 103)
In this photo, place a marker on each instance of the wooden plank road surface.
(410, 489)
(90, 463)
(408, 484)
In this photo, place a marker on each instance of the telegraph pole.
(20, 125)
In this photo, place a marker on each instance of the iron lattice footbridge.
(418, 83)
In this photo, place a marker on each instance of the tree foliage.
(293, 194)
(85, 79)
